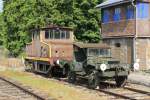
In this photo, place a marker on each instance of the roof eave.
(113, 4)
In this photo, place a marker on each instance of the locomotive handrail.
(48, 46)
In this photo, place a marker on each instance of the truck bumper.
(113, 74)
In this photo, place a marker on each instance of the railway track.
(109, 90)
(125, 93)
(12, 91)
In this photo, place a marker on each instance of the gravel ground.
(141, 78)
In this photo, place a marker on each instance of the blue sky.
(1, 5)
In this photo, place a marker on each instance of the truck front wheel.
(121, 81)
(93, 81)
(71, 77)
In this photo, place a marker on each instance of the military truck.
(93, 61)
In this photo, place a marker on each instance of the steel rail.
(115, 94)
(23, 89)
(127, 88)
(112, 93)
(137, 90)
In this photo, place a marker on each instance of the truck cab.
(93, 61)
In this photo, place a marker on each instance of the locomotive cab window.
(99, 52)
(46, 34)
(57, 34)
(36, 35)
(63, 34)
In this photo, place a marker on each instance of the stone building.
(125, 27)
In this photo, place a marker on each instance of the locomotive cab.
(93, 61)
(51, 50)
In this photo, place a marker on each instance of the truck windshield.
(99, 52)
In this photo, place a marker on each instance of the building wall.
(143, 27)
(124, 27)
(121, 28)
(127, 27)
(123, 32)
(125, 52)
(143, 52)
(122, 53)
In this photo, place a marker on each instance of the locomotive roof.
(109, 3)
(57, 27)
(54, 27)
(91, 45)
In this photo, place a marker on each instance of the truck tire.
(121, 81)
(71, 77)
(66, 70)
(93, 81)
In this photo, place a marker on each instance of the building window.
(117, 14)
(142, 10)
(130, 12)
(117, 45)
(105, 17)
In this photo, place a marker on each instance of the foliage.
(2, 30)
(86, 19)
(20, 16)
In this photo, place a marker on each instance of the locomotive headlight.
(57, 62)
(103, 67)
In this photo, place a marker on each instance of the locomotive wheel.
(71, 77)
(50, 73)
(121, 81)
(28, 66)
(93, 81)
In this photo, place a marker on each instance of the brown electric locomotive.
(49, 46)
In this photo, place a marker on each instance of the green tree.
(20, 16)
(1, 29)
(86, 19)
(23, 15)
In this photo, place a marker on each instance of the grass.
(53, 88)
